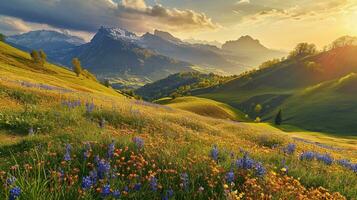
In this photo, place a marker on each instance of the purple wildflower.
(185, 180)
(111, 149)
(260, 169)
(245, 162)
(103, 168)
(87, 182)
(139, 142)
(326, 158)
(290, 149)
(230, 176)
(15, 193)
(106, 190)
(308, 155)
(153, 184)
(214, 153)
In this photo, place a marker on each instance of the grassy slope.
(328, 107)
(284, 86)
(173, 138)
(17, 65)
(205, 107)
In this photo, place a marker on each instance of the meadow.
(67, 137)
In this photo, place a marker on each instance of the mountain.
(314, 92)
(203, 55)
(249, 51)
(45, 39)
(114, 53)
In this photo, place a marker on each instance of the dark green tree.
(2, 37)
(279, 118)
(106, 83)
(35, 57)
(77, 68)
(43, 57)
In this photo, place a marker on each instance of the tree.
(2, 37)
(77, 68)
(258, 108)
(302, 50)
(106, 83)
(279, 118)
(43, 57)
(35, 57)
(344, 41)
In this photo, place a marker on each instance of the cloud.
(243, 2)
(317, 10)
(89, 15)
(10, 25)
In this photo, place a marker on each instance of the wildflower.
(290, 149)
(326, 158)
(245, 162)
(260, 169)
(308, 155)
(87, 183)
(137, 186)
(116, 194)
(185, 180)
(15, 193)
(214, 153)
(201, 189)
(89, 107)
(87, 150)
(106, 190)
(230, 176)
(103, 168)
(111, 149)
(93, 175)
(153, 183)
(11, 180)
(168, 195)
(139, 142)
(67, 156)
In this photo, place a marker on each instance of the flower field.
(63, 137)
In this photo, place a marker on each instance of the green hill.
(284, 84)
(204, 107)
(180, 84)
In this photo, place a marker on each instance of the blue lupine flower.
(103, 168)
(11, 180)
(94, 176)
(106, 190)
(96, 159)
(15, 193)
(153, 183)
(347, 164)
(308, 155)
(139, 142)
(230, 176)
(214, 153)
(137, 186)
(67, 155)
(327, 159)
(245, 162)
(290, 149)
(169, 193)
(87, 182)
(116, 194)
(260, 169)
(185, 180)
(89, 107)
(111, 149)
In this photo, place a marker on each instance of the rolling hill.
(179, 84)
(283, 84)
(204, 107)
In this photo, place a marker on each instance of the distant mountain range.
(117, 53)
(47, 40)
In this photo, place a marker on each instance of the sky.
(278, 24)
